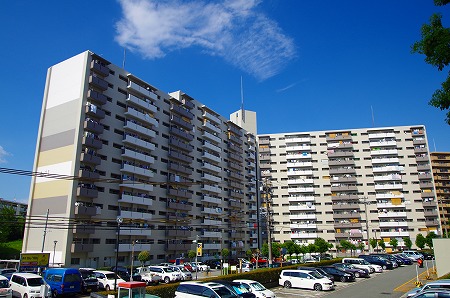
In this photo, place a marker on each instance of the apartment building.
(19, 208)
(440, 162)
(139, 169)
(355, 184)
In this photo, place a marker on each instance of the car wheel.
(287, 284)
(25, 296)
(107, 288)
(357, 274)
(342, 279)
(384, 267)
(54, 293)
(317, 287)
(166, 279)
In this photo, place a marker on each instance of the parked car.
(437, 284)
(188, 266)
(192, 289)
(150, 278)
(256, 288)
(427, 256)
(122, 272)
(305, 279)
(338, 274)
(240, 289)
(213, 263)
(5, 289)
(404, 258)
(7, 272)
(377, 260)
(387, 257)
(322, 272)
(184, 273)
(349, 268)
(362, 264)
(90, 281)
(246, 267)
(439, 293)
(413, 255)
(63, 281)
(31, 285)
(200, 266)
(167, 274)
(107, 279)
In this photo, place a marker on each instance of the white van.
(305, 279)
(107, 279)
(5, 289)
(192, 289)
(167, 274)
(29, 285)
(362, 264)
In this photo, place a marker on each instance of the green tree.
(346, 245)
(408, 242)
(11, 225)
(249, 254)
(394, 243)
(373, 242)
(191, 254)
(144, 257)
(290, 246)
(225, 253)
(361, 246)
(322, 246)
(276, 249)
(382, 244)
(429, 239)
(420, 241)
(435, 45)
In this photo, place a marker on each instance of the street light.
(132, 257)
(196, 254)
(54, 250)
(119, 221)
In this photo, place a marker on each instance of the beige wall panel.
(61, 118)
(54, 188)
(56, 206)
(55, 156)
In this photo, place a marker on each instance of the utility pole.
(45, 230)
(267, 195)
(367, 222)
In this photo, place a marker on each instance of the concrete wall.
(442, 256)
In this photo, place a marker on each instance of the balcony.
(390, 205)
(300, 189)
(140, 186)
(302, 216)
(292, 172)
(87, 174)
(390, 177)
(211, 167)
(236, 195)
(301, 199)
(90, 159)
(214, 211)
(391, 160)
(181, 133)
(175, 142)
(138, 156)
(428, 194)
(142, 91)
(94, 111)
(344, 187)
(144, 117)
(97, 97)
(345, 206)
(135, 215)
(239, 235)
(211, 157)
(303, 226)
(99, 69)
(420, 150)
(235, 203)
(393, 234)
(432, 223)
(87, 192)
(139, 143)
(342, 171)
(298, 148)
(81, 248)
(124, 247)
(348, 236)
(383, 152)
(388, 186)
(344, 197)
(302, 207)
(341, 162)
(179, 206)
(137, 170)
(83, 229)
(207, 234)
(393, 224)
(299, 164)
(210, 199)
(349, 215)
(137, 128)
(86, 210)
(381, 143)
(180, 193)
(98, 83)
(141, 200)
(93, 126)
(347, 225)
(211, 188)
(348, 145)
(179, 233)
(212, 222)
(211, 117)
(211, 147)
(392, 214)
(180, 156)
(304, 235)
(235, 175)
(211, 127)
(181, 111)
(289, 140)
(430, 213)
(381, 135)
(180, 122)
(212, 246)
(135, 231)
(212, 178)
(141, 103)
(179, 168)
(431, 203)
(335, 154)
(236, 157)
(378, 169)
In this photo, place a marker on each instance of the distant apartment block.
(145, 170)
(19, 208)
(354, 184)
(440, 162)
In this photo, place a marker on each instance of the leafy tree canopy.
(144, 257)
(408, 242)
(420, 241)
(322, 246)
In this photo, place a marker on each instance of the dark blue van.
(63, 280)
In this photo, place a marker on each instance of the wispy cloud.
(3, 155)
(232, 29)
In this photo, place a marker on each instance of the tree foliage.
(144, 257)
(435, 45)
(373, 242)
(322, 246)
(382, 244)
(429, 239)
(394, 243)
(420, 241)
(11, 225)
(191, 254)
(225, 253)
(408, 242)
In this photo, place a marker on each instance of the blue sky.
(305, 65)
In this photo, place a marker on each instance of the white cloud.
(3, 155)
(232, 29)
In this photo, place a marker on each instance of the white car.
(5, 289)
(413, 255)
(107, 279)
(167, 274)
(200, 266)
(184, 273)
(305, 279)
(362, 264)
(256, 288)
(29, 285)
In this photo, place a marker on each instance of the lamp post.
(54, 250)
(196, 255)
(119, 221)
(132, 257)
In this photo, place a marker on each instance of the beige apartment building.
(355, 184)
(127, 168)
(440, 162)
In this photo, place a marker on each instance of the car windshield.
(257, 286)
(72, 277)
(88, 274)
(110, 276)
(168, 269)
(315, 274)
(224, 292)
(350, 266)
(4, 283)
(35, 282)
(364, 262)
(184, 269)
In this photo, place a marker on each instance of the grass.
(11, 250)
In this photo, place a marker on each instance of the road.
(389, 284)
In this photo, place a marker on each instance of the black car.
(213, 264)
(317, 269)
(89, 280)
(349, 268)
(338, 274)
(427, 256)
(387, 257)
(240, 289)
(377, 260)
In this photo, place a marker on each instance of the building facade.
(440, 162)
(139, 169)
(19, 208)
(353, 185)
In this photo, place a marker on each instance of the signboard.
(199, 249)
(34, 260)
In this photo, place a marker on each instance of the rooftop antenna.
(242, 102)
(373, 118)
(124, 57)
